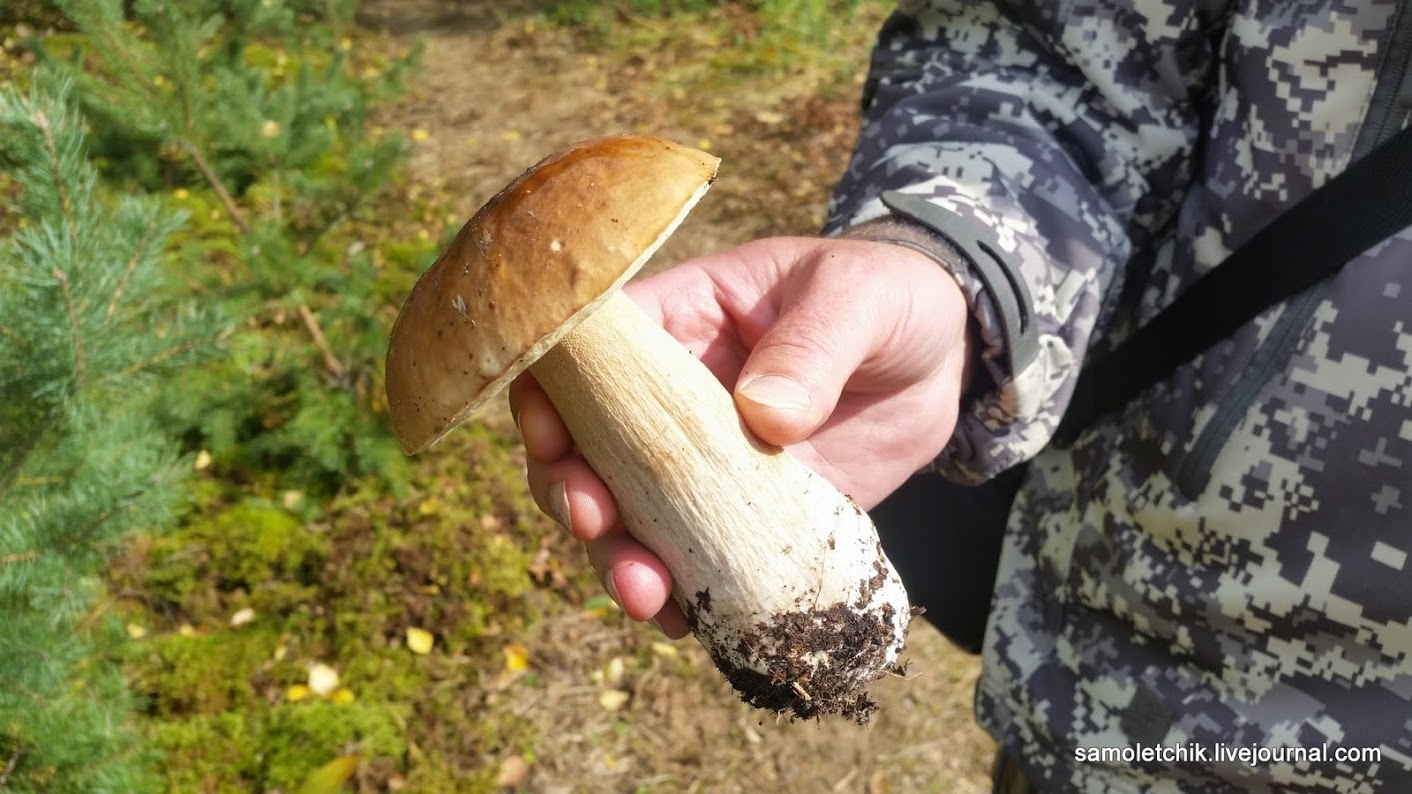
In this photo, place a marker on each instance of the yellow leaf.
(343, 696)
(428, 507)
(330, 777)
(135, 631)
(613, 673)
(516, 657)
(296, 693)
(663, 649)
(420, 134)
(203, 460)
(613, 699)
(186, 630)
(419, 640)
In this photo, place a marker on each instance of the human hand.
(850, 353)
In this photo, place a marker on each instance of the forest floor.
(612, 707)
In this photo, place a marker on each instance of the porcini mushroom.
(781, 576)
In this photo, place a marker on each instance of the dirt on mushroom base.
(814, 662)
(796, 685)
(496, 95)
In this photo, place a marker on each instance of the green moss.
(452, 558)
(204, 674)
(277, 747)
(215, 753)
(253, 549)
(301, 737)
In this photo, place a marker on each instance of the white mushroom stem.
(782, 576)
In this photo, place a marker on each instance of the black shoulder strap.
(1366, 204)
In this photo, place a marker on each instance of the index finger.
(545, 437)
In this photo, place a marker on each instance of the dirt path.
(493, 99)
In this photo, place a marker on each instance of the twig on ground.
(331, 362)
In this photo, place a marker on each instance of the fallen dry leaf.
(419, 641)
(514, 770)
(614, 671)
(613, 699)
(516, 657)
(323, 680)
(330, 777)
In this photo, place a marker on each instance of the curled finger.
(570, 492)
(631, 574)
(545, 437)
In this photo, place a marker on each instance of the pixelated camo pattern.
(1228, 559)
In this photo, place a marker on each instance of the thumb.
(796, 372)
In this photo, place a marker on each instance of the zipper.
(1392, 97)
(1393, 93)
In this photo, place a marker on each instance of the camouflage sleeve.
(1067, 141)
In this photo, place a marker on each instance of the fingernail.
(559, 504)
(611, 586)
(777, 391)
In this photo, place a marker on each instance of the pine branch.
(26, 449)
(118, 507)
(172, 352)
(11, 764)
(74, 325)
(96, 26)
(51, 148)
(33, 481)
(14, 337)
(148, 234)
(214, 180)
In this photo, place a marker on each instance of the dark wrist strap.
(975, 243)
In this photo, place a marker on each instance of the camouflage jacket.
(1225, 561)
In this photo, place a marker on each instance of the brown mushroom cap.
(532, 263)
